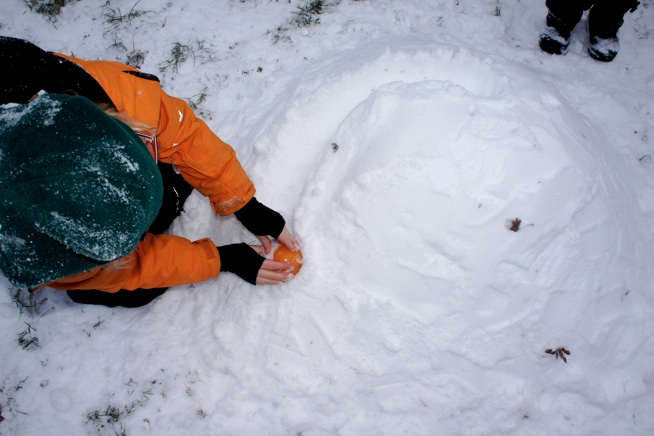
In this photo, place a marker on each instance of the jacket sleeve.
(205, 161)
(158, 261)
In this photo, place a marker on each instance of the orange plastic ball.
(283, 254)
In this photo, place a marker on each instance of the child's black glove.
(242, 260)
(260, 220)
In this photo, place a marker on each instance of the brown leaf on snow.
(515, 225)
(559, 352)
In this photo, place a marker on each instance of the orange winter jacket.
(206, 163)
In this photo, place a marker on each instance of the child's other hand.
(271, 272)
(285, 238)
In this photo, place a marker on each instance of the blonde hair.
(148, 134)
(137, 126)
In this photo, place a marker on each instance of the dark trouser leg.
(136, 298)
(607, 16)
(24, 66)
(176, 191)
(568, 11)
(27, 69)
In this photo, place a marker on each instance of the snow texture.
(464, 201)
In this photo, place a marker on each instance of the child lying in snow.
(97, 166)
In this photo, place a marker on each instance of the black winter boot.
(604, 21)
(604, 49)
(556, 37)
(603, 28)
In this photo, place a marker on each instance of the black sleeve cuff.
(260, 220)
(241, 260)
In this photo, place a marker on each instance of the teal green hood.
(77, 189)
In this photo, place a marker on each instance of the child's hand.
(285, 238)
(271, 272)
(246, 261)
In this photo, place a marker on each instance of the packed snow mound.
(400, 164)
(416, 161)
(402, 168)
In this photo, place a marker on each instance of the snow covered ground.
(401, 140)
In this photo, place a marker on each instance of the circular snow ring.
(416, 161)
